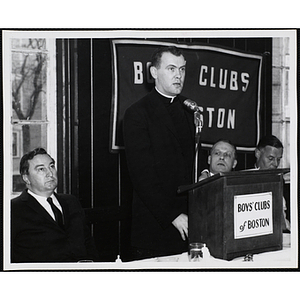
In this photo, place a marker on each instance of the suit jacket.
(158, 162)
(36, 237)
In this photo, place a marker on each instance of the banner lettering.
(224, 82)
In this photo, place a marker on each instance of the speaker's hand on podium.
(181, 224)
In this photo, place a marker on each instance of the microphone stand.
(198, 121)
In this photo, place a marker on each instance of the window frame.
(51, 111)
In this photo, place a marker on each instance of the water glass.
(195, 252)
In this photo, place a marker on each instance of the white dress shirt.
(45, 204)
(205, 174)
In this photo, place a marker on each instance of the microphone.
(192, 105)
(198, 122)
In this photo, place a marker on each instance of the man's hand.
(181, 224)
(204, 175)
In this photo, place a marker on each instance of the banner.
(224, 82)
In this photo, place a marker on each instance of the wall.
(280, 95)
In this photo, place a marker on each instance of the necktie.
(57, 213)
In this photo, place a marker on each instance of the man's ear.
(153, 72)
(209, 159)
(234, 164)
(257, 153)
(25, 178)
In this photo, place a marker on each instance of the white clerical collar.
(167, 96)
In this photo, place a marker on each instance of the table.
(285, 258)
(274, 259)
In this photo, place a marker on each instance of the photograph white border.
(7, 34)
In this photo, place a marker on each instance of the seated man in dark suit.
(45, 226)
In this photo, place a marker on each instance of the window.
(33, 107)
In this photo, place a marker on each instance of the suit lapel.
(34, 204)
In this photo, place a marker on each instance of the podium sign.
(237, 213)
(253, 215)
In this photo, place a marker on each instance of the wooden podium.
(237, 213)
